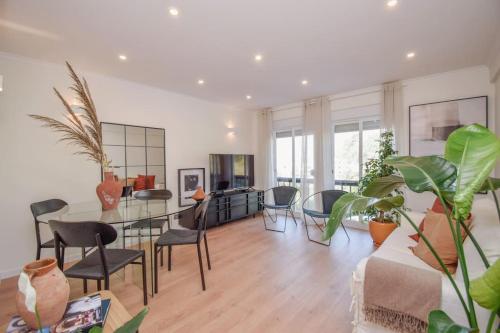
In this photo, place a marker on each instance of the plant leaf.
(426, 173)
(353, 203)
(486, 289)
(495, 183)
(96, 329)
(133, 324)
(474, 150)
(383, 186)
(439, 322)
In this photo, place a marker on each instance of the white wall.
(35, 167)
(467, 82)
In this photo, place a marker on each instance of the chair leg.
(161, 249)
(345, 231)
(156, 268)
(206, 250)
(62, 255)
(139, 235)
(170, 257)
(144, 281)
(99, 285)
(201, 266)
(271, 218)
(293, 216)
(38, 251)
(85, 286)
(106, 282)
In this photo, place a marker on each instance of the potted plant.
(381, 222)
(470, 156)
(83, 129)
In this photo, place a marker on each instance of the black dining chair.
(284, 198)
(157, 223)
(101, 263)
(40, 208)
(328, 198)
(195, 232)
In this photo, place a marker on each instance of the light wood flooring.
(261, 281)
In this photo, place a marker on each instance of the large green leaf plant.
(471, 153)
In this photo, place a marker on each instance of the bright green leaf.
(486, 289)
(439, 322)
(426, 173)
(474, 150)
(96, 329)
(133, 324)
(354, 203)
(383, 186)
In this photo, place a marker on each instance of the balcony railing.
(344, 185)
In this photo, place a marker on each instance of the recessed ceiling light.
(122, 57)
(392, 3)
(201, 82)
(173, 11)
(304, 82)
(258, 57)
(248, 97)
(410, 55)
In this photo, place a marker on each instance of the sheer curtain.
(314, 134)
(392, 110)
(266, 153)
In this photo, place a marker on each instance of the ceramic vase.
(199, 195)
(52, 293)
(109, 191)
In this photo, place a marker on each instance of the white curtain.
(266, 147)
(314, 134)
(392, 110)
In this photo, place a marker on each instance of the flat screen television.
(231, 171)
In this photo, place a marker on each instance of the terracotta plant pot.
(109, 192)
(380, 231)
(52, 293)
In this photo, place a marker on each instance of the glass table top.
(129, 210)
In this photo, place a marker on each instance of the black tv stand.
(234, 205)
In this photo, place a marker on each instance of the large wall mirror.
(135, 151)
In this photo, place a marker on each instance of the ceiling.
(337, 45)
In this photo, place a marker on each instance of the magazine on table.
(81, 315)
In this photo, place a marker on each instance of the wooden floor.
(261, 281)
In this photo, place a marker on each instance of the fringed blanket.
(399, 296)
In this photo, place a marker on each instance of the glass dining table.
(129, 211)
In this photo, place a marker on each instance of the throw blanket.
(399, 296)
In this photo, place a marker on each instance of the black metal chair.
(328, 198)
(193, 235)
(157, 223)
(40, 208)
(285, 197)
(102, 262)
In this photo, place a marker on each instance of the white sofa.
(485, 228)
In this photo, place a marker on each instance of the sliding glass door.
(288, 156)
(289, 147)
(354, 143)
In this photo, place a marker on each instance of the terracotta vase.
(52, 293)
(199, 195)
(109, 191)
(380, 231)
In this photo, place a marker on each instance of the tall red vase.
(109, 192)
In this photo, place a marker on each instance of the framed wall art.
(189, 180)
(432, 123)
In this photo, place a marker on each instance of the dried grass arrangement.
(83, 130)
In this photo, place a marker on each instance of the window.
(288, 159)
(354, 143)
